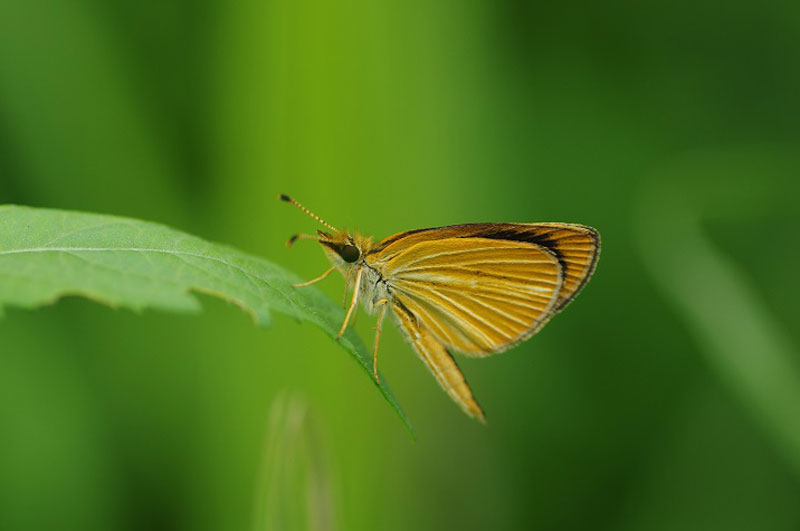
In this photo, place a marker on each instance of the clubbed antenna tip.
(284, 197)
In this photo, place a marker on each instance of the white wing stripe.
(466, 251)
(441, 327)
(521, 284)
(501, 313)
(456, 320)
(460, 268)
(477, 299)
(489, 293)
(474, 315)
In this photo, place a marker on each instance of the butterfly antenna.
(288, 199)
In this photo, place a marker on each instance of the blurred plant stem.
(294, 489)
(743, 344)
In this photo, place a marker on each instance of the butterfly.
(477, 288)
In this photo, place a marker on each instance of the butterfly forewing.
(476, 295)
(576, 246)
(481, 288)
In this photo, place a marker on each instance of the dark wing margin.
(577, 248)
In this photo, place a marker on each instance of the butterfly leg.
(353, 302)
(347, 279)
(378, 327)
(321, 277)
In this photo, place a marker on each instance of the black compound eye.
(350, 253)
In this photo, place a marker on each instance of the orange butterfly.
(478, 288)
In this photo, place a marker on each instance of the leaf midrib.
(129, 250)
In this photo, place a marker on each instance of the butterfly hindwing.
(476, 295)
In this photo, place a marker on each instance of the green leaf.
(46, 254)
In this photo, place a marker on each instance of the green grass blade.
(743, 343)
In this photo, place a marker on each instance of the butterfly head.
(343, 248)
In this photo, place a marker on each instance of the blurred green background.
(665, 397)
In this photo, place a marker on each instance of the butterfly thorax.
(374, 288)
